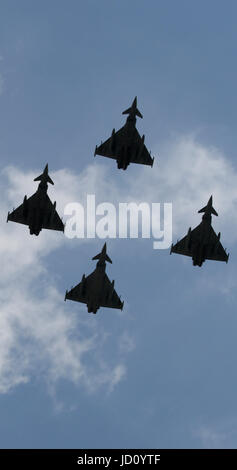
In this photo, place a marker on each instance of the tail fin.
(133, 109)
(44, 176)
(209, 208)
(103, 255)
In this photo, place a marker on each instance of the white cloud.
(214, 438)
(187, 174)
(202, 172)
(39, 337)
(126, 342)
(37, 331)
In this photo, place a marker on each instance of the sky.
(161, 373)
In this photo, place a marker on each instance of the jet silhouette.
(202, 243)
(38, 212)
(126, 145)
(96, 290)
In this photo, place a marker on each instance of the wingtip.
(65, 298)
(171, 249)
(8, 216)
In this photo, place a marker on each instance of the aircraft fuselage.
(96, 290)
(37, 215)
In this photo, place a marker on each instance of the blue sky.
(162, 373)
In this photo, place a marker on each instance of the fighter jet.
(202, 243)
(96, 290)
(38, 211)
(126, 145)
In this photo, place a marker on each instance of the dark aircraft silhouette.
(96, 290)
(126, 145)
(38, 211)
(202, 243)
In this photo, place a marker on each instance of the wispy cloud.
(186, 174)
(40, 335)
(214, 437)
(126, 342)
(37, 331)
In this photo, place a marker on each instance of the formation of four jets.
(125, 146)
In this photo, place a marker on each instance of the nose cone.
(46, 170)
(104, 249)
